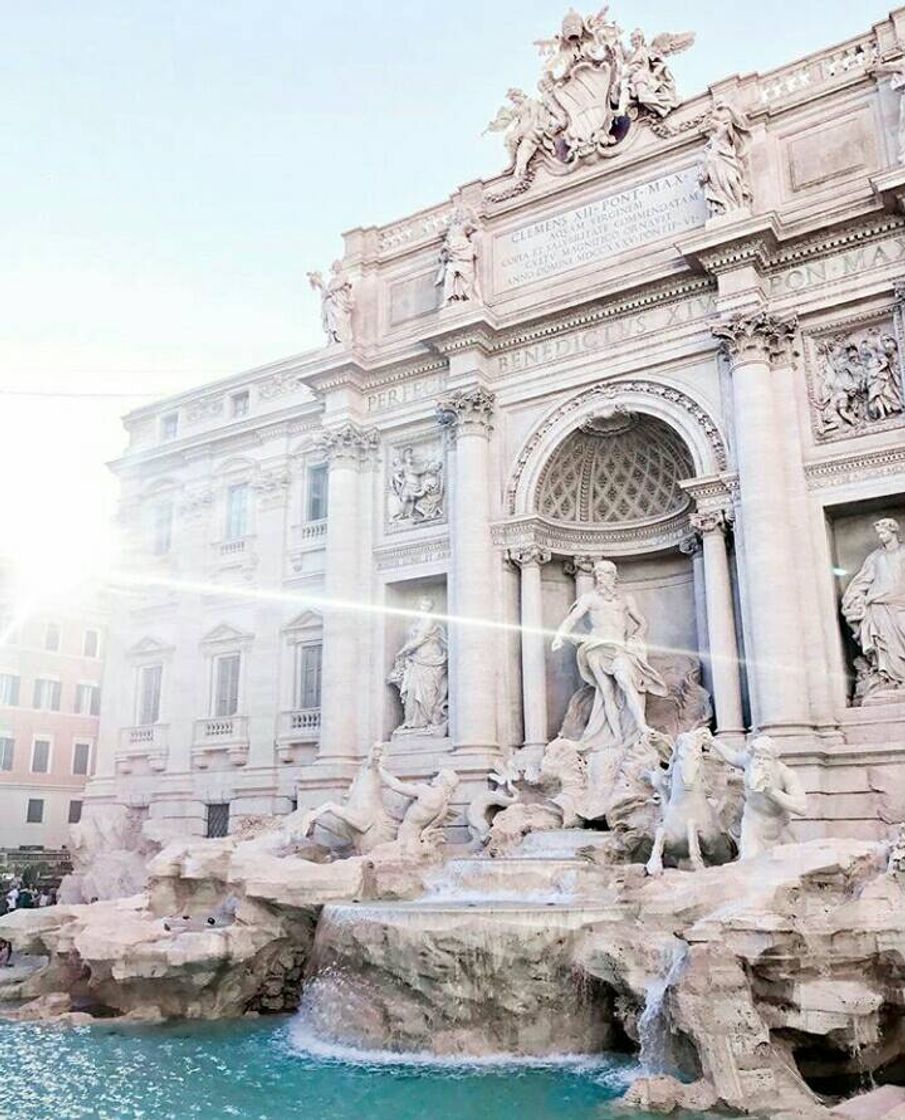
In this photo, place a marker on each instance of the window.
(240, 403)
(161, 527)
(218, 819)
(35, 812)
(88, 699)
(308, 680)
(7, 750)
(91, 643)
(9, 690)
(169, 425)
(52, 637)
(47, 694)
(316, 504)
(226, 685)
(75, 812)
(81, 758)
(40, 756)
(148, 708)
(236, 511)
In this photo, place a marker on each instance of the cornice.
(844, 469)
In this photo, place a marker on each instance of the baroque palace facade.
(670, 335)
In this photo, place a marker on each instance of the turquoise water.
(262, 1070)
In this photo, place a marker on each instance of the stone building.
(668, 335)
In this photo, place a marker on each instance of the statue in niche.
(874, 607)
(724, 175)
(418, 487)
(612, 658)
(421, 830)
(650, 81)
(896, 73)
(336, 304)
(420, 674)
(690, 825)
(773, 794)
(861, 381)
(458, 272)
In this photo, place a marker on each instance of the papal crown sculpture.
(591, 91)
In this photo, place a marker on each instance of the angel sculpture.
(526, 123)
(650, 81)
(336, 304)
(724, 175)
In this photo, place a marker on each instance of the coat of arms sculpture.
(592, 88)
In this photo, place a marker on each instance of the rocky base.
(771, 987)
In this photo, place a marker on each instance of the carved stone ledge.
(347, 444)
(760, 336)
(467, 412)
(580, 565)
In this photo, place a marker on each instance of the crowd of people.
(18, 896)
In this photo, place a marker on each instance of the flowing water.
(271, 1069)
(654, 1028)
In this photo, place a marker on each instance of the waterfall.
(654, 1031)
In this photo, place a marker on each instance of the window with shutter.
(226, 685)
(7, 750)
(81, 757)
(35, 812)
(317, 493)
(9, 690)
(309, 682)
(149, 681)
(40, 756)
(236, 512)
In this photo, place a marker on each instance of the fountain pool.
(266, 1070)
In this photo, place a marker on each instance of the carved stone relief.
(416, 478)
(856, 380)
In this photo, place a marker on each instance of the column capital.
(690, 545)
(348, 443)
(712, 521)
(756, 336)
(467, 411)
(531, 555)
(580, 564)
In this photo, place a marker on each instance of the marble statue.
(336, 304)
(896, 73)
(527, 123)
(421, 830)
(361, 820)
(874, 607)
(724, 175)
(650, 80)
(896, 864)
(689, 825)
(861, 380)
(420, 673)
(612, 657)
(773, 794)
(591, 88)
(418, 488)
(458, 272)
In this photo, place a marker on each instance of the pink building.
(50, 692)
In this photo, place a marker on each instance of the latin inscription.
(843, 266)
(611, 225)
(606, 335)
(384, 400)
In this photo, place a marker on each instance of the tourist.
(6, 953)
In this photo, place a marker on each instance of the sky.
(169, 171)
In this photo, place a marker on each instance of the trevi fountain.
(601, 811)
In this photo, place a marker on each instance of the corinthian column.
(721, 637)
(467, 416)
(346, 449)
(754, 343)
(534, 674)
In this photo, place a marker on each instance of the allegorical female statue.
(874, 607)
(336, 304)
(420, 673)
(724, 175)
(458, 271)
